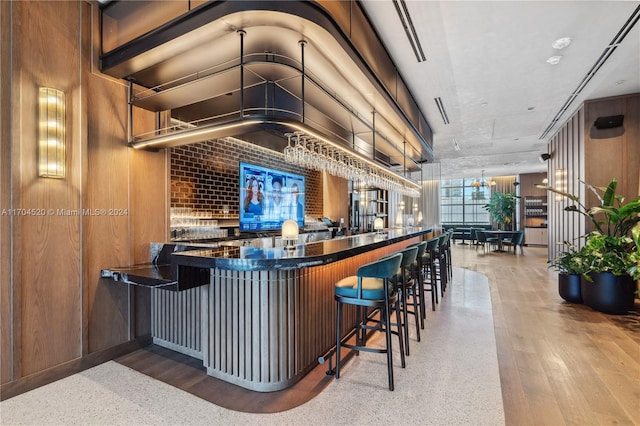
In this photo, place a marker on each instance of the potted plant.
(570, 266)
(609, 285)
(611, 252)
(501, 206)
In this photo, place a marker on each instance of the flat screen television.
(268, 197)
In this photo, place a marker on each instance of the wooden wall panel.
(528, 188)
(49, 257)
(6, 311)
(613, 152)
(149, 220)
(581, 152)
(55, 310)
(336, 192)
(149, 195)
(604, 154)
(106, 234)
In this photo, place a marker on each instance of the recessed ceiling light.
(554, 60)
(484, 104)
(531, 108)
(621, 81)
(561, 43)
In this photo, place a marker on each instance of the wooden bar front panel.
(266, 329)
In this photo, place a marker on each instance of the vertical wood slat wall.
(582, 152)
(55, 308)
(565, 168)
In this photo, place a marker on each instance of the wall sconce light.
(51, 133)
(290, 234)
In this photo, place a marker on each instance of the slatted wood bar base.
(261, 330)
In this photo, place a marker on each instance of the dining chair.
(516, 240)
(482, 240)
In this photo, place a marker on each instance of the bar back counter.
(257, 314)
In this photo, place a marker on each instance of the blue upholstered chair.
(516, 240)
(371, 287)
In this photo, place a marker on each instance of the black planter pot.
(608, 293)
(569, 287)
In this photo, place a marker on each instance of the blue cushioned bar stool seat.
(371, 287)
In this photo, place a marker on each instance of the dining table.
(465, 233)
(500, 235)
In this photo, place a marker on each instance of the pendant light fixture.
(482, 182)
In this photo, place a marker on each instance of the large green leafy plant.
(570, 261)
(614, 245)
(501, 206)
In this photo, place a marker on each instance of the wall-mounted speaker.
(609, 122)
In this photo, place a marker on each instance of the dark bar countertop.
(262, 254)
(182, 266)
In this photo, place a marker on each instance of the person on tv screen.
(274, 202)
(296, 204)
(254, 199)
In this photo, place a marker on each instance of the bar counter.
(270, 253)
(266, 314)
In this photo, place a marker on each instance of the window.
(462, 203)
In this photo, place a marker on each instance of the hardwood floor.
(188, 374)
(560, 363)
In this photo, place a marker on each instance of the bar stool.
(416, 274)
(448, 254)
(408, 288)
(440, 259)
(371, 288)
(429, 270)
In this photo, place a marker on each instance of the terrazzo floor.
(451, 378)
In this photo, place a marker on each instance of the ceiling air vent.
(443, 113)
(606, 53)
(409, 29)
